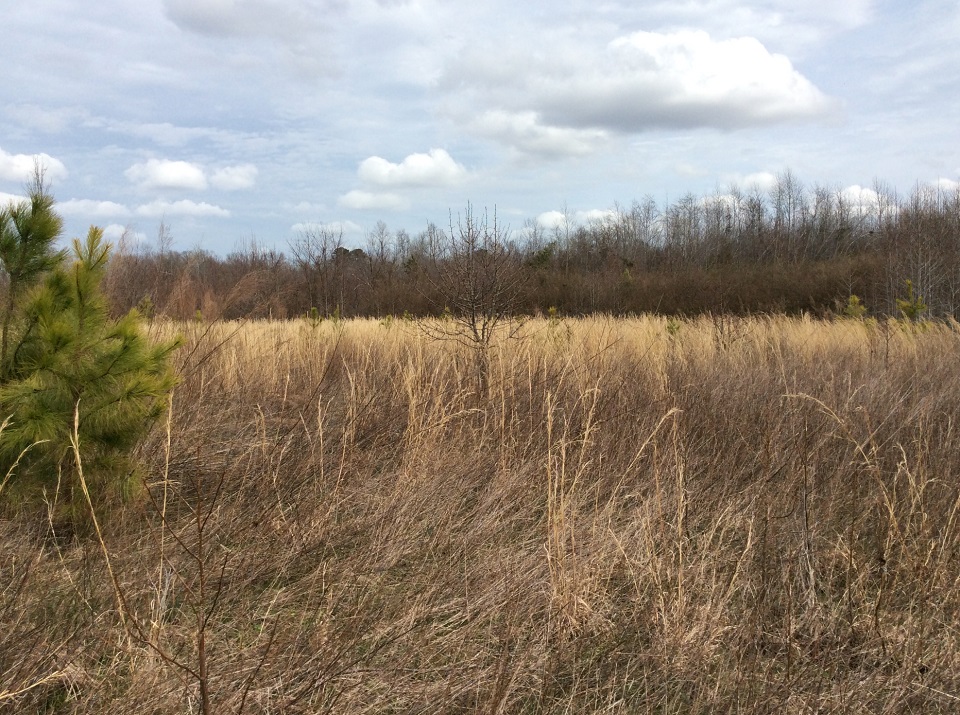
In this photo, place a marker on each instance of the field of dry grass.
(642, 516)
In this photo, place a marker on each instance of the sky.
(236, 120)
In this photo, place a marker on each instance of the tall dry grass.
(642, 516)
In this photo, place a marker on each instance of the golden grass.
(642, 516)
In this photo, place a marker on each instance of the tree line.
(790, 249)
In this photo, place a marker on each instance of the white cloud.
(166, 174)
(366, 200)
(19, 167)
(726, 202)
(551, 219)
(233, 178)
(763, 180)
(947, 186)
(7, 199)
(435, 168)
(526, 132)
(564, 102)
(859, 194)
(335, 227)
(118, 233)
(759, 180)
(114, 232)
(557, 219)
(184, 207)
(861, 200)
(89, 207)
(594, 216)
(687, 79)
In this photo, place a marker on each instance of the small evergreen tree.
(65, 355)
(913, 305)
(854, 309)
(28, 231)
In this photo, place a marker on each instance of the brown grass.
(720, 515)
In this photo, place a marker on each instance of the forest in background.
(793, 249)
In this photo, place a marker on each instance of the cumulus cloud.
(596, 216)
(947, 186)
(866, 202)
(688, 79)
(166, 174)
(233, 178)
(638, 82)
(184, 207)
(366, 200)
(89, 207)
(114, 232)
(435, 168)
(526, 132)
(862, 200)
(126, 235)
(552, 219)
(758, 180)
(19, 167)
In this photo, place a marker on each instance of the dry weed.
(641, 516)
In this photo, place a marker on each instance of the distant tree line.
(790, 249)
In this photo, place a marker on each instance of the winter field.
(713, 515)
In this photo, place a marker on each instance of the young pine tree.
(28, 231)
(65, 358)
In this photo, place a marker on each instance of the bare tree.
(164, 238)
(477, 280)
(380, 264)
(313, 252)
(788, 199)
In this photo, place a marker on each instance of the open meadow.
(713, 515)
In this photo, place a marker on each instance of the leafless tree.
(477, 280)
(313, 253)
(788, 199)
(379, 271)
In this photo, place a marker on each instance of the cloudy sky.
(238, 119)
